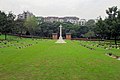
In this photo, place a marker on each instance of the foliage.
(19, 26)
(110, 26)
(6, 23)
(90, 24)
(31, 23)
(3, 20)
(90, 34)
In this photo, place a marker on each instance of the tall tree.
(113, 22)
(6, 22)
(3, 20)
(10, 23)
(100, 29)
(19, 26)
(90, 34)
(90, 24)
(31, 23)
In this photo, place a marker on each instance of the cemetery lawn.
(46, 60)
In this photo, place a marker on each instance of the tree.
(3, 20)
(100, 29)
(46, 29)
(90, 24)
(19, 27)
(118, 24)
(10, 22)
(90, 34)
(110, 27)
(31, 23)
(113, 22)
(6, 22)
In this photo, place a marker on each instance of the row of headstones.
(86, 46)
(113, 56)
(25, 46)
(108, 54)
(107, 47)
(6, 44)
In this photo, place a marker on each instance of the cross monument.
(60, 40)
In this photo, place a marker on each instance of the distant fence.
(38, 37)
(29, 36)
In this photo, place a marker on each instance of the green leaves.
(31, 24)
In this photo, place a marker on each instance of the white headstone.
(118, 58)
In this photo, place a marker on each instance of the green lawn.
(46, 60)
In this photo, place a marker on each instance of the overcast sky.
(87, 9)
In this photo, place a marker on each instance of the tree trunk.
(5, 36)
(109, 36)
(21, 33)
(115, 41)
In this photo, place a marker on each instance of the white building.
(51, 19)
(82, 22)
(74, 20)
(61, 20)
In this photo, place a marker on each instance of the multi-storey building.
(25, 15)
(82, 22)
(73, 20)
(61, 19)
(51, 19)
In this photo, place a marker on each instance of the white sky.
(87, 9)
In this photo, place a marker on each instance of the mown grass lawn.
(50, 61)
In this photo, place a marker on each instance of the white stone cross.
(60, 40)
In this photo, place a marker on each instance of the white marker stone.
(118, 58)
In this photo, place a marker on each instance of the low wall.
(85, 39)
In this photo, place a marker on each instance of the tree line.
(31, 26)
(108, 28)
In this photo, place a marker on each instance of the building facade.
(74, 20)
(51, 19)
(40, 20)
(25, 15)
(82, 22)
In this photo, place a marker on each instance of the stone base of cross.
(60, 40)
